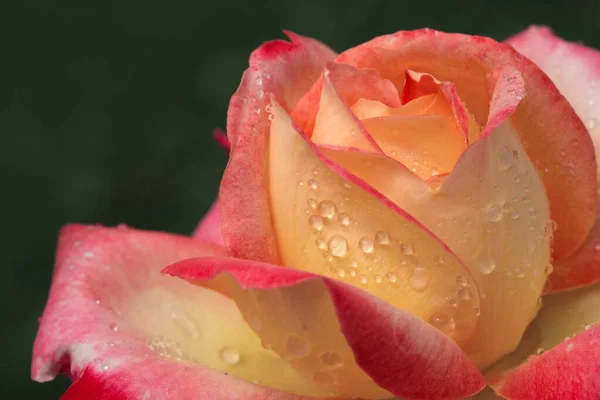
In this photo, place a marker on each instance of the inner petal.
(328, 225)
(427, 145)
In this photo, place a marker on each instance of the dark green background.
(106, 112)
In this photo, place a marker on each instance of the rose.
(416, 190)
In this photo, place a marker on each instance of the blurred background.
(107, 108)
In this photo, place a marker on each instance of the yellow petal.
(330, 226)
(336, 125)
(492, 211)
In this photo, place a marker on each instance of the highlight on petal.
(553, 136)
(287, 71)
(328, 222)
(336, 125)
(209, 229)
(345, 338)
(351, 84)
(492, 212)
(575, 70)
(112, 319)
(559, 356)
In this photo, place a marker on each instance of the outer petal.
(492, 211)
(554, 137)
(569, 369)
(209, 229)
(331, 223)
(113, 321)
(328, 328)
(287, 70)
(575, 70)
(352, 84)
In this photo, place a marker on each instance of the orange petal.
(336, 125)
(553, 136)
(492, 211)
(352, 84)
(331, 226)
(428, 145)
(559, 356)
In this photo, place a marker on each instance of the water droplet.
(419, 278)
(517, 178)
(331, 359)
(587, 327)
(591, 124)
(569, 347)
(114, 327)
(341, 272)
(514, 215)
(382, 238)
(487, 266)
(354, 264)
(461, 281)
(316, 222)
(313, 184)
(104, 367)
(377, 278)
(363, 279)
(301, 183)
(269, 108)
(366, 245)
(258, 80)
(88, 254)
(391, 277)
(505, 157)
(477, 312)
(260, 93)
(539, 351)
(327, 209)
(494, 213)
(271, 117)
(297, 346)
(321, 244)
(406, 249)
(230, 356)
(344, 219)
(443, 322)
(338, 246)
(312, 203)
(464, 294)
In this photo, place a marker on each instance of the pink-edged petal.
(492, 211)
(287, 71)
(209, 229)
(110, 313)
(559, 356)
(555, 138)
(346, 338)
(329, 222)
(336, 125)
(575, 70)
(508, 90)
(420, 84)
(352, 84)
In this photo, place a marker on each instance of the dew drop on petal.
(331, 359)
(326, 209)
(338, 246)
(406, 249)
(461, 281)
(494, 213)
(366, 245)
(316, 222)
(487, 266)
(443, 322)
(313, 184)
(391, 277)
(230, 356)
(591, 124)
(419, 278)
(363, 279)
(297, 347)
(464, 294)
(505, 157)
(344, 219)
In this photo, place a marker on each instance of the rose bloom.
(399, 220)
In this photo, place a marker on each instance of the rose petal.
(336, 125)
(420, 84)
(575, 70)
(111, 313)
(352, 84)
(552, 132)
(569, 368)
(209, 229)
(332, 224)
(221, 138)
(493, 213)
(428, 145)
(342, 336)
(286, 70)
